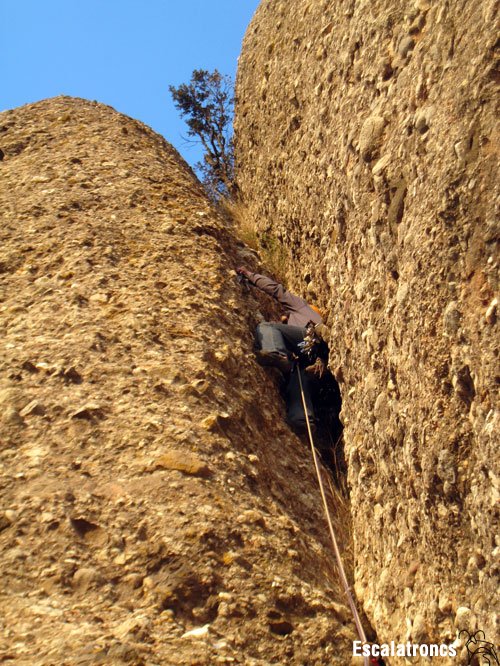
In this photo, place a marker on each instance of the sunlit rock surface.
(366, 144)
(155, 509)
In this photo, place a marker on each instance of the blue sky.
(121, 52)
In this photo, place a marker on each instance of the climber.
(299, 339)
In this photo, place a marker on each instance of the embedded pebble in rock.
(383, 194)
(85, 578)
(419, 631)
(406, 45)
(452, 318)
(371, 131)
(148, 477)
(183, 461)
(464, 618)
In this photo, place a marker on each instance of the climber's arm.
(267, 285)
(273, 288)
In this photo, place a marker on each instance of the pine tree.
(207, 104)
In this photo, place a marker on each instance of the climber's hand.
(241, 270)
(318, 368)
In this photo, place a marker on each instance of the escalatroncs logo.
(480, 651)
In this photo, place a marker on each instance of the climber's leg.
(293, 335)
(270, 338)
(273, 349)
(279, 337)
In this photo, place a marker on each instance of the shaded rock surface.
(154, 507)
(366, 145)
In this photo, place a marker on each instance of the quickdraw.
(309, 347)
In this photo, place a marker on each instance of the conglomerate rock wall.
(366, 145)
(155, 509)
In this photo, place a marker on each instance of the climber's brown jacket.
(298, 311)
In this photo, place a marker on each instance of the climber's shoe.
(274, 359)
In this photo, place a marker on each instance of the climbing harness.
(310, 344)
(338, 557)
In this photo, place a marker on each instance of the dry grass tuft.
(273, 254)
(236, 214)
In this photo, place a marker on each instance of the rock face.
(155, 509)
(366, 145)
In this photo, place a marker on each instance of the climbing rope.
(338, 557)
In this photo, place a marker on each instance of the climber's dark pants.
(285, 339)
(295, 408)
